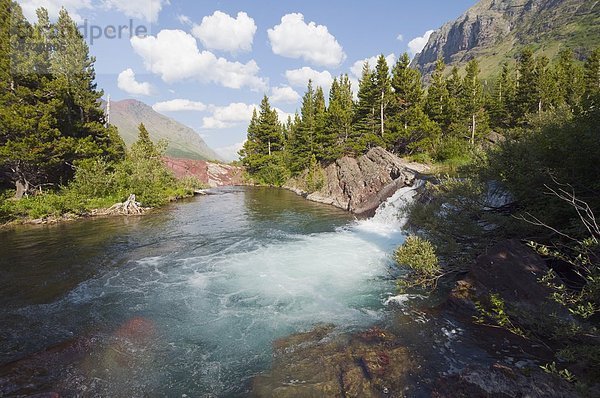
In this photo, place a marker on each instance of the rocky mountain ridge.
(184, 142)
(494, 31)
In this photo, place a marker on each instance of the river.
(188, 299)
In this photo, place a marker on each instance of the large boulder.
(361, 184)
(512, 272)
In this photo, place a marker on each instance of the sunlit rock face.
(361, 184)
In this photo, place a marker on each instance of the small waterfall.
(391, 215)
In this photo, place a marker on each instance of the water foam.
(222, 301)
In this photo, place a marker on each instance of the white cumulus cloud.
(300, 78)
(220, 31)
(284, 94)
(417, 44)
(223, 117)
(53, 6)
(230, 152)
(356, 68)
(126, 81)
(283, 115)
(174, 56)
(294, 38)
(147, 10)
(179, 105)
(400, 37)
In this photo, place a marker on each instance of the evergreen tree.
(436, 103)
(32, 149)
(36, 146)
(526, 98)
(144, 148)
(322, 137)
(265, 143)
(305, 139)
(546, 84)
(407, 92)
(569, 81)
(410, 130)
(365, 116)
(383, 90)
(454, 110)
(269, 129)
(502, 98)
(249, 152)
(472, 96)
(339, 118)
(592, 80)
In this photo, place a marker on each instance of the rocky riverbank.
(360, 185)
(465, 359)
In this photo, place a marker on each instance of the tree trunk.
(269, 147)
(473, 131)
(381, 117)
(22, 187)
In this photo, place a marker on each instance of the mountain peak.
(494, 31)
(184, 142)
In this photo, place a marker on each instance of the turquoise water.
(186, 300)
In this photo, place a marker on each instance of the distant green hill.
(184, 142)
(494, 31)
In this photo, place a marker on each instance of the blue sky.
(208, 63)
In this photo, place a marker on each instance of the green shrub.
(93, 178)
(421, 158)
(419, 255)
(453, 150)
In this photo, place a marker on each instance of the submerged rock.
(94, 365)
(321, 364)
(361, 184)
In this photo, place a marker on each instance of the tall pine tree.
(366, 126)
(37, 147)
(592, 80)
(472, 96)
(569, 80)
(436, 103)
(383, 90)
(526, 98)
(502, 98)
(339, 117)
(409, 129)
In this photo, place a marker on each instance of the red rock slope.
(211, 174)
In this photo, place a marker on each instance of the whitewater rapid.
(222, 278)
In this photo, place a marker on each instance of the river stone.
(360, 185)
(321, 364)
